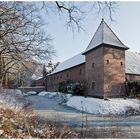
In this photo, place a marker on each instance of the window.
(121, 63)
(67, 75)
(93, 85)
(80, 71)
(107, 61)
(93, 64)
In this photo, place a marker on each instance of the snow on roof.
(104, 35)
(74, 61)
(36, 77)
(132, 63)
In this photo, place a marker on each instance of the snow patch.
(31, 93)
(43, 93)
(100, 106)
(48, 94)
(57, 96)
(12, 99)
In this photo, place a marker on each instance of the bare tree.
(22, 37)
(76, 11)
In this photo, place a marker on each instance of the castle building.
(103, 67)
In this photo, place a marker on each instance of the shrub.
(76, 88)
(31, 126)
(133, 88)
(62, 87)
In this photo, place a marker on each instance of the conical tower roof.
(104, 35)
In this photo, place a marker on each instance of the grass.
(15, 125)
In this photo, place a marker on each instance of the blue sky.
(126, 27)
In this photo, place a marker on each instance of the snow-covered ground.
(12, 99)
(57, 96)
(100, 106)
(95, 105)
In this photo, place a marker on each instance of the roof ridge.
(103, 30)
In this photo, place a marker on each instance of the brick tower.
(105, 64)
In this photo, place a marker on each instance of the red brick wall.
(39, 82)
(94, 72)
(108, 72)
(75, 74)
(114, 71)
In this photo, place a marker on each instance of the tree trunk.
(0, 72)
(1, 87)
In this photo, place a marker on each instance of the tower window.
(121, 63)
(107, 61)
(93, 85)
(93, 64)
